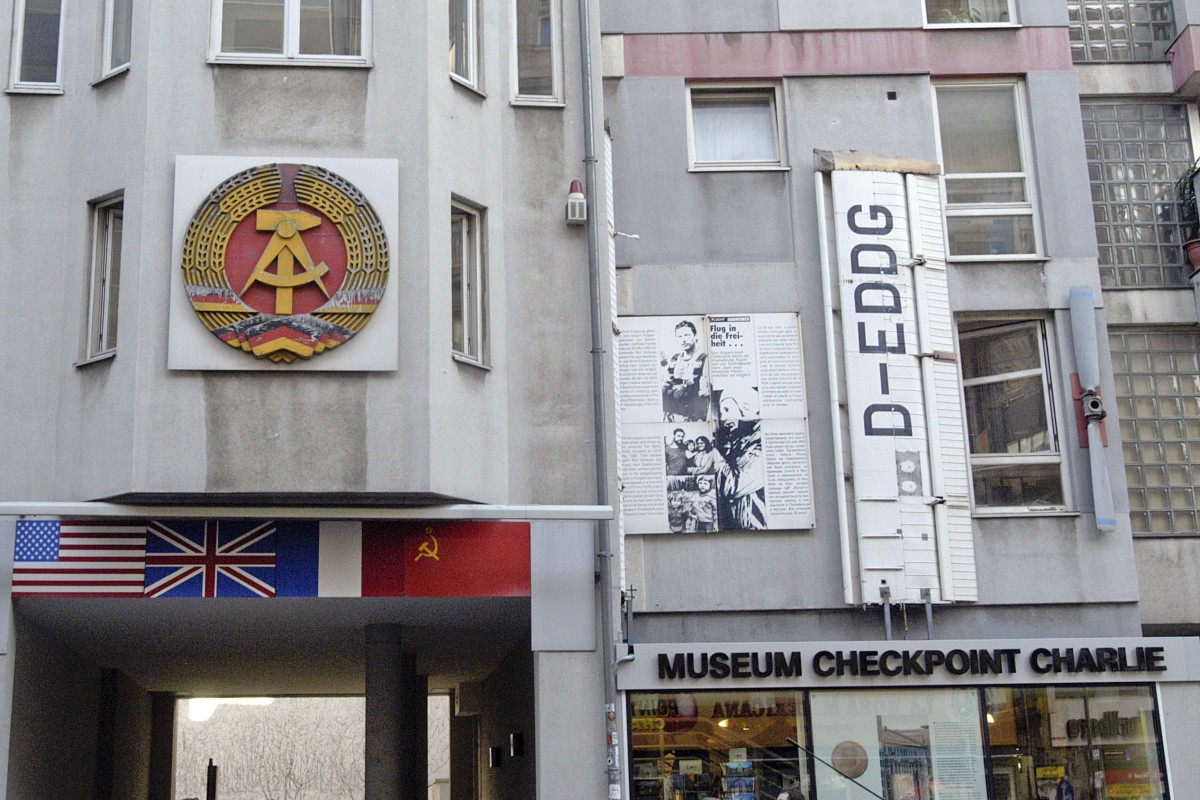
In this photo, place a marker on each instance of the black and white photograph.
(685, 383)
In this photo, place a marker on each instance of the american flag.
(69, 558)
(233, 558)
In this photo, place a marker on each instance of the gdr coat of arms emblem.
(285, 261)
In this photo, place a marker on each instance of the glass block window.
(1157, 373)
(1120, 30)
(1135, 152)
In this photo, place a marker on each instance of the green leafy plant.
(1185, 193)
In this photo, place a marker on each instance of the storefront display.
(1027, 721)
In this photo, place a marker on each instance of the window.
(538, 77)
(1120, 30)
(1157, 374)
(989, 206)
(316, 31)
(463, 41)
(1015, 461)
(104, 278)
(468, 316)
(118, 23)
(1075, 741)
(966, 12)
(36, 45)
(1136, 152)
(734, 128)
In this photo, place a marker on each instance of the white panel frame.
(191, 346)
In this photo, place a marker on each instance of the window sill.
(937, 26)
(284, 61)
(1022, 513)
(470, 87)
(46, 88)
(96, 359)
(739, 168)
(471, 362)
(998, 258)
(109, 76)
(534, 102)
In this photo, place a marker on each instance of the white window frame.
(291, 42)
(471, 79)
(110, 28)
(473, 293)
(1050, 382)
(555, 98)
(1028, 208)
(17, 85)
(1010, 23)
(771, 93)
(104, 272)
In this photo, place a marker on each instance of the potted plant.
(1189, 214)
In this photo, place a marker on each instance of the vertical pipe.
(600, 425)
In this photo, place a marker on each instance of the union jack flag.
(228, 558)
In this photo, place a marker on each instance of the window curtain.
(734, 130)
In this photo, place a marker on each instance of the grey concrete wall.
(508, 707)
(849, 624)
(434, 425)
(673, 16)
(131, 751)
(1179, 710)
(1167, 568)
(570, 725)
(54, 716)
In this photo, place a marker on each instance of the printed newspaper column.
(884, 389)
(665, 408)
(758, 395)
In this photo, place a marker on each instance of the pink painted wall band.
(991, 51)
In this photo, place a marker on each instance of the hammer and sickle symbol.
(428, 550)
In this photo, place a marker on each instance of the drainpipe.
(604, 549)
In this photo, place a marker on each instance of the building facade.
(966, 275)
(846, 446)
(389, 180)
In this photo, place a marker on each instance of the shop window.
(1074, 742)
(1135, 152)
(984, 146)
(463, 40)
(1157, 375)
(734, 127)
(468, 313)
(900, 744)
(118, 25)
(1120, 30)
(1015, 459)
(730, 745)
(967, 12)
(104, 278)
(538, 45)
(291, 31)
(36, 46)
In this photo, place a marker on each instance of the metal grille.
(1120, 30)
(1157, 374)
(1135, 153)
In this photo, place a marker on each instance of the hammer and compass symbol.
(286, 249)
